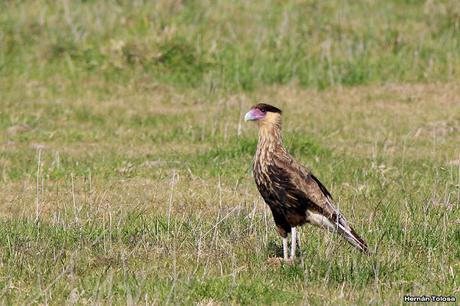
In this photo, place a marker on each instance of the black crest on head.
(267, 108)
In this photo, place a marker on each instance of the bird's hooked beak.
(253, 115)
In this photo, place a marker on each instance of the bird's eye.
(263, 110)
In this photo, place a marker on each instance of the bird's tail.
(347, 232)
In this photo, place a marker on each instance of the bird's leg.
(285, 248)
(293, 242)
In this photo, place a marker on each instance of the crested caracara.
(294, 195)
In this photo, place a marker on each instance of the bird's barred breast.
(284, 204)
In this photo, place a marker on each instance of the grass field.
(125, 164)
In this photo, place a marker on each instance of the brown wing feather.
(313, 196)
(295, 196)
(315, 191)
(287, 203)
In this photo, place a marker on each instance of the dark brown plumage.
(294, 195)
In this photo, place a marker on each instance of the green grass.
(237, 45)
(125, 164)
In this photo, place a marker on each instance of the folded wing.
(306, 192)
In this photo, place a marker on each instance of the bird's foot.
(289, 260)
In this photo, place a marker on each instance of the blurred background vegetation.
(231, 44)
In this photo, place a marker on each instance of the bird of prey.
(294, 195)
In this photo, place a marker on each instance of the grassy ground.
(125, 165)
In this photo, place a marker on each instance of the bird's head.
(264, 114)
